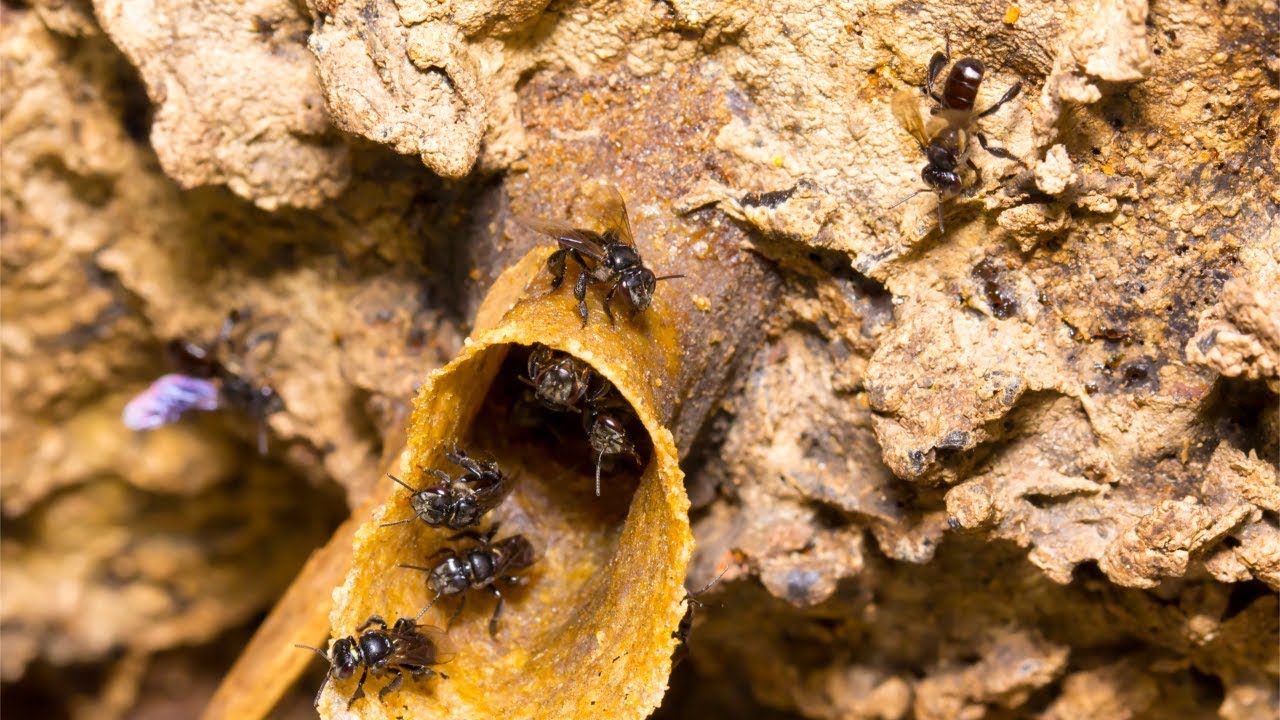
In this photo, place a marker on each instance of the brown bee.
(404, 647)
(606, 256)
(946, 137)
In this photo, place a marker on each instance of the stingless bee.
(479, 566)
(946, 138)
(564, 383)
(606, 430)
(559, 380)
(457, 502)
(605, 256)
(404, 647)
(211, 376)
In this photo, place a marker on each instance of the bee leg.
(470, 535)
(394, 684)
(373, 620)
(977, 182)
(359, 693)
(555, 264)
(1009, 94)
(262, 437)
(497, 610)
(609, 298)
(462, 602)
(936, 63)
(997, 151)
(580, 292)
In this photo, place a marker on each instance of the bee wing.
(430, 647)
(906, 109)
(610, 211)
(584, 241)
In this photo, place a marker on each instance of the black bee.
(479, 566)
(606, 431)
(223, 361)
(457, 502)
(685, 628)
(559, 380)
(612, 253)
(945, 140)
(404, 647)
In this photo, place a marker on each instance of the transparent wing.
(906, 109)
(586, 242)
(605, 205)
(429, 647)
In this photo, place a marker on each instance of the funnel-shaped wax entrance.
(589, 634)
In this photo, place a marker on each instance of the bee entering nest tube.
(588, 628)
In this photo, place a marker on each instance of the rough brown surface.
(1023, 467)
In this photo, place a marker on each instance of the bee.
(605, 256)
(403, 647)
(478, 566)
(211, 376)
(559, 380)
(606, 430)
(685, 628)
(945, 138)
(457, 502)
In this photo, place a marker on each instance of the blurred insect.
(946, 138)
(167, 399)
(606, 430)
(685, 628)
(405, 647)
(457, 502)
(611, 252)
(560, 381)
(220, 365)
(479, 566)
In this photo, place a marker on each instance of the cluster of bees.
(556, 382)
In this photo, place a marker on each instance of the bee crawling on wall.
(457, 502)
(210, 376)
(405, 647)
(482, 565)
(607, 256)
(946, 138)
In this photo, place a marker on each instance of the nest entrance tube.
(590, 631)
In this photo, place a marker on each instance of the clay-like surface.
(1025, 466)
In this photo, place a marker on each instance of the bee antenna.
(316, 650)
(941, 229)
(707, 587)
(415, 567)
(398, 522)
(670, 277)
(402, 483)
(598, 461)
(923, 190)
